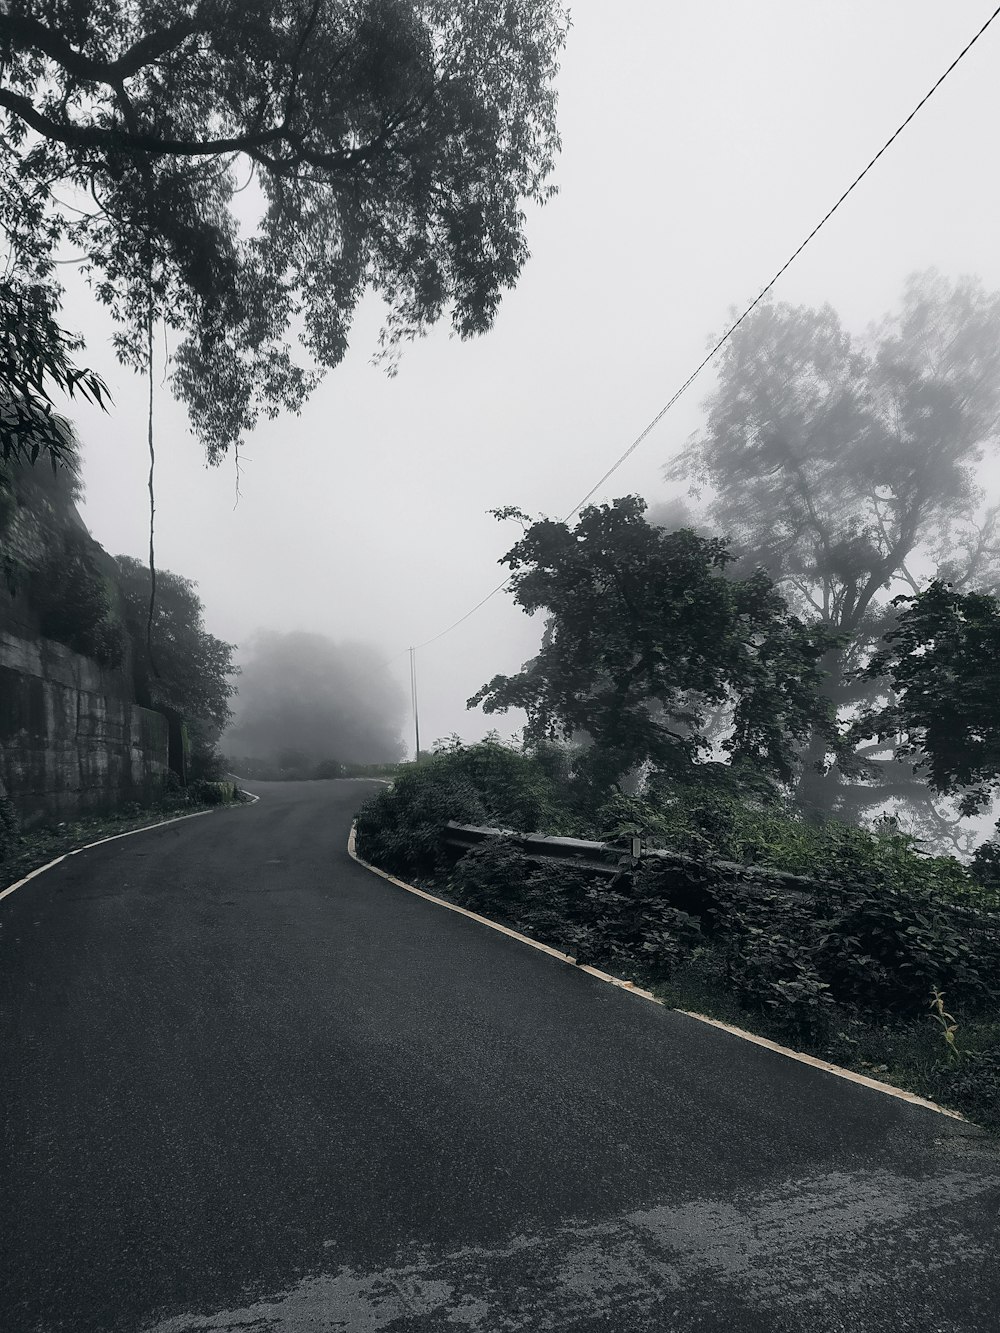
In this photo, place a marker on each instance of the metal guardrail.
(604, 858)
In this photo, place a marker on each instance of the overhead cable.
(736, 324)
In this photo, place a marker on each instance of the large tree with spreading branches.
(847, 468)
(393, 145)
(645, 638)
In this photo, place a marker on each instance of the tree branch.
(23, 31)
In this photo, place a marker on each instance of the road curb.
(632, 989)
(129, 833)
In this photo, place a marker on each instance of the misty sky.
(701, 142)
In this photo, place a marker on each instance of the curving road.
(245, 1084)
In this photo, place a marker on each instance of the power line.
(785, 266)
(733, 327)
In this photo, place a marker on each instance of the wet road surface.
(245, 1084)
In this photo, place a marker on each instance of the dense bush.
(400, 827)
(972, 1084)
(884, 948)
(212, 793)
(603, 922)
(9, 826)
(74, 602)
(712, 816)
(516, 790)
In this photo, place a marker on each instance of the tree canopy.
(191, 672)
(943, 659)
(393, 144)
(35, 362)
(841, 465)
(644, 635)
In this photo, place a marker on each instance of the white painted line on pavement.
(813, 1060)
(633, 989)
(453, 907)
(146, 828)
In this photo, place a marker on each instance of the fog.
(701, 144)
(305, 701)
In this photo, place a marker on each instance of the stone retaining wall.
(71, 739)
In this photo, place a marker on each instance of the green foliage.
(984, 871)
(496, 878)
(35, 362)
(833, 464)
(874, 928)
(971, 1085)
(886, 949)
(205, 763)
(645, 634)
(399, 828)
(74, 601)
(943, 661)
(769, 947)
(947, 1026)
(205, 792)
(394, 144)
(190, 672)
(513, 786)
(611, 921)
(9, 827)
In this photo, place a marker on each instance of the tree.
(943, 660)
(35, 362)
(645, 634)
(840, 464)
(393, 143)
(190, 673)
(305, 699)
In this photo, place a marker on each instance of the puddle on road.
(814, 1254)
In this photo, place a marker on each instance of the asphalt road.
(245, 1084)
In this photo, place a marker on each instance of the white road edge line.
(633, 989)
(146, 828)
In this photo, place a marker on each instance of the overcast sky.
(702, 139)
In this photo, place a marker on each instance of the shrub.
(399, 828)
(768, 947)
(884, 948)
(515, 789)
(74, 602)
(616, 920)
(493, 877)
(985, 871)
(9, 827)
(211, 793)
(971, 1085)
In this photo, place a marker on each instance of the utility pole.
(413, 698)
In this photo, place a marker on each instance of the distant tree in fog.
(306, 699)
(842, 467)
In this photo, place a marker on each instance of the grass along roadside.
(911, 1054)
(29, 849)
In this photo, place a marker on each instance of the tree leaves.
(644, 635)
(943, 659)
(35, 362)
(394, 145)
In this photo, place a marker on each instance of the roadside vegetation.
(847, 942)
(24, 850)
(787, 685)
